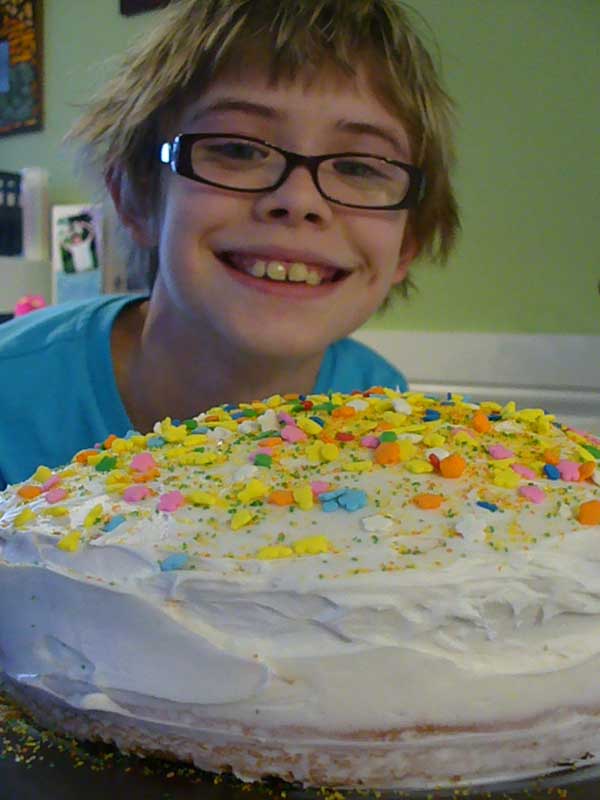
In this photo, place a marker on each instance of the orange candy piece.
(587, 470)
(552, 457)
(108, 441)
(345, 412)
(28, 492)
(589, 513)
(281, 497)
(272, 442)
(83, 456)
(453, 466)
(428, 501)
(387, 453)
(481, 423)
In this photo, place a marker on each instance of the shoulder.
(54, 326)
(349, 365)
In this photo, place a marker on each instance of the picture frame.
(77, 239)
(130, 7)
(21, 84)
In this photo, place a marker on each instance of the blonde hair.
(194, 40)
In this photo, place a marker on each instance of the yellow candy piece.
(23, 518)
(308, 426)
(419, 466)
(509, 410)
(241, 518)
(253, 490)
(197, 459)
(544, 424)
(174, 433)
(358, 466)
(195, 439)
(56, 511)
(329, 452)
(93, 460)
(93, 516)
(274, 401)
(584, 454)
(434, 440)
(303, 496)
(274, 551)
(121, 445)
(506, 478)
(394, 418)
(529, 414)
(313, 452)
(70, 543)
(406, 449)
(42, 474)
(199, 498)
(312, 546)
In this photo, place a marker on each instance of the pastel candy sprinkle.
(143, 462)
(274, 551)
(293, 434)
(569, 470)
(50, 483)
(551, 472)
(589, 513)
(311, 546)
(498, 451)
(113, 523)
(370, 441)
(70, 543)
(533, 493)
(156, 441)
(173, 562)
(487, 506)
(133, 494)
(318, 487)
(171, 501)
(523, 471)
(55, 495)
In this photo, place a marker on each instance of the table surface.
(32, 758)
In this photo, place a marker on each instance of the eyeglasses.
(245, 164)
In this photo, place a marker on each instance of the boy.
(277, 165)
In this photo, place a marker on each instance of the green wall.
(525, 76)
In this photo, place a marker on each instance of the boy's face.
(365, 250)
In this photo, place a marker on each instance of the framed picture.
(130, 7)
(76, 252)
(20, 66)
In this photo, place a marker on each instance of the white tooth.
(258, 269)
(313, 278)
(276, 271)
(297, 272)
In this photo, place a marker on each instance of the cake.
(373, 589)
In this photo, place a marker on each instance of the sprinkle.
(523, 471)
(428, 501)
(506, 478)
(486, 505)
(318, 487)
(274, 551)
(589, 513)
(551, 472)
(241, 518)
(352, 499)
(303, 495)
(93, 516)
(171, 501)
(142, 462)
(370, 441)
(452, 466)
(70, 543)
(133, 494)
(173, 562)
(54, 480)
(387, 453)
(419, 467)
(263, 460)
(42, 474)
(377, 523)
(311, 546)
(569, 470)
(481, 423)
(533, 493)
(23, 517)
(293, 434)
(156, 441)
(329, 452)
(199, 498)
(254, 490)
(586, 470)
(431, 415)
(113, 523)
(28, 492)
(106, 464)
(498, 451)
(388, 436)
(55, 495)
(281, 497)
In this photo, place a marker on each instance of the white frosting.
(451, 617)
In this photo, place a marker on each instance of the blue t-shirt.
(58, 392)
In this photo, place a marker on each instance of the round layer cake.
(376, 589)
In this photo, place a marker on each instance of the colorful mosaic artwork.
(20, 66)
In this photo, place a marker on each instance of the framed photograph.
(76, 252)
(20, 66)
(130, 7)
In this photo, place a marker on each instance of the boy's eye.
(361, 169)
(234, 151)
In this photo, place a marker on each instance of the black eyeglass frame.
(178, 158)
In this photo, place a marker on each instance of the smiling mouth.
(281, 271)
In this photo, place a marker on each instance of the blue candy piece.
(325, 497)
(431, 415)
(238, 415)
(551, 472)
(494, 417)
(113, 523)
(174, 561)
(318, 420)
(156, 441)
(130, 434)
(353, 499)
(329, 505)
(200, 429)
(488, 506)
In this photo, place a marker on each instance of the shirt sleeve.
(349, 366)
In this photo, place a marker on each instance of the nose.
(297, 200)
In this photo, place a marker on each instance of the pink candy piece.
(170, 501)
(370, 441)
(50, 483)
(533, 493)
(55, 495)
(470, 433)
(318, 487)
(524, 471)
(499, 451)
(133, 494)
(262, 451)
(142, 462)
(287, 418)
(293, 434)
(569, 470)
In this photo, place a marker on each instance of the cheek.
(381, 243)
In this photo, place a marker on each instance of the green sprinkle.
(106, 464)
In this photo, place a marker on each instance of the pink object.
(50, 483)
(293, 434)
(133, 494)
(318, 487)
(262, 451)
(470, 433)
(171, 501)
(287, 418)
(499, 451)
(30, 302)
(56, 495)
(533, 493)
(370, 441)
(142, 462)
(524, 471)
(569, 470)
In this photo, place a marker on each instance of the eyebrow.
(270, 113)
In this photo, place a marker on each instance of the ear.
(408, 252)
(138, 220)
